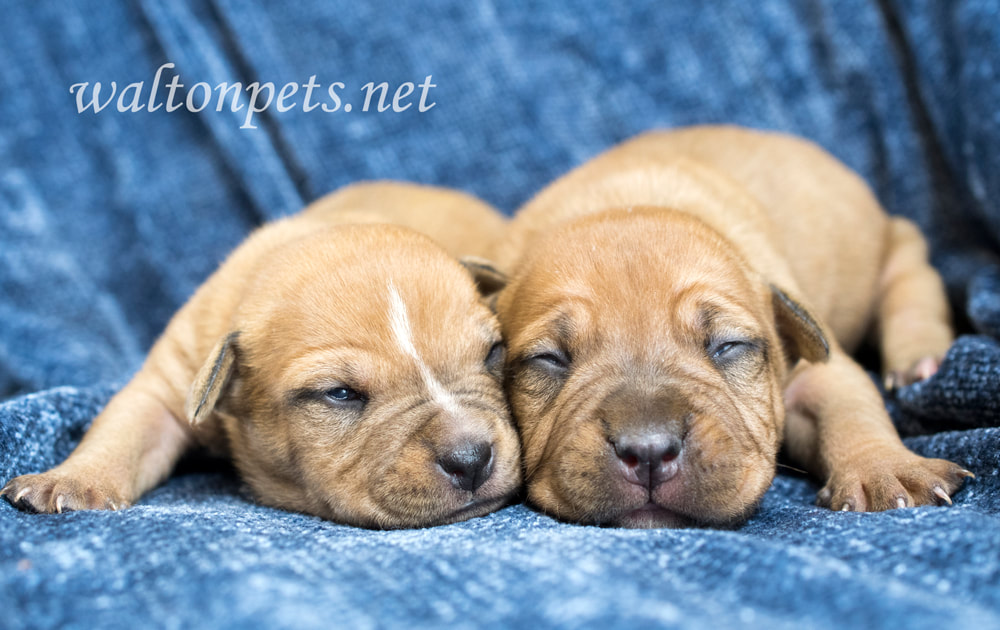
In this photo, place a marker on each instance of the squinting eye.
(724, 348)
(727, 347)
(555, 360)
(343, 394)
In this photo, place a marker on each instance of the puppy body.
(662, 297)
(344, 361)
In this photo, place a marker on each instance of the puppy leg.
(131, 446)
(836, 426)
(913, 319)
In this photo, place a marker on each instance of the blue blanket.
(109, 219)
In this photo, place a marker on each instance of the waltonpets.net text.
(255, 97)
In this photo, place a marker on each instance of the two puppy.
(679, 307)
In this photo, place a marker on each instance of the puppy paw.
(55, 491)
(892, 481)
(919, 371)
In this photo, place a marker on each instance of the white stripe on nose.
(399, 320)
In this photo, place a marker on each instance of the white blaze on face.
(399, 320)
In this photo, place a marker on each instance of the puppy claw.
(890, 382)
(846, 507)
(900, 502)
(20, 495)
(967, 473)
(59, 503)
(941, 494)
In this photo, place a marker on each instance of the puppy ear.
(800, 335)
(211, 380)
(489, 280)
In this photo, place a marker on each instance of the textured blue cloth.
(109, 220)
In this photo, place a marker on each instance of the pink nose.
(648, 459)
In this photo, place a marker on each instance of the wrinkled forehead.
(381, 301)
(630, 276)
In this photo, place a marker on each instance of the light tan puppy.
(348, 366)
(684, 303)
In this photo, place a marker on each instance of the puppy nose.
(469, 465)
(647, 458)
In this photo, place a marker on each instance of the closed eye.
(553, 360)
(727, 347)
(730, 352)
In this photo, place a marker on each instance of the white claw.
(59, 504)
(900, 502)
(889, 383)
(846, 508)
(19, 495)
(941, 494)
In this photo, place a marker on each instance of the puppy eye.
(728, 350)
(725, 348)
(495, 356)
(553, 360)
(341, 395)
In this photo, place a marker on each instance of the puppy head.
(645, 366)
(363, 383)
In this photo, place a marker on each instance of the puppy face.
(364, 384)
(645, 371)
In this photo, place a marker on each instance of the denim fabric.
(108, 222)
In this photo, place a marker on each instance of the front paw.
(56, 491)
(887, 481)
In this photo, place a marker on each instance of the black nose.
(648, 457)
(469, 465)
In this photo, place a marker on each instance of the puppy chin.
(440, 514)
(606, 499)
(652, 516)
(437, 502)
(475, 509)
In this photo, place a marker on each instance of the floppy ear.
(489, 280)
(800, 335)
(211, 380)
